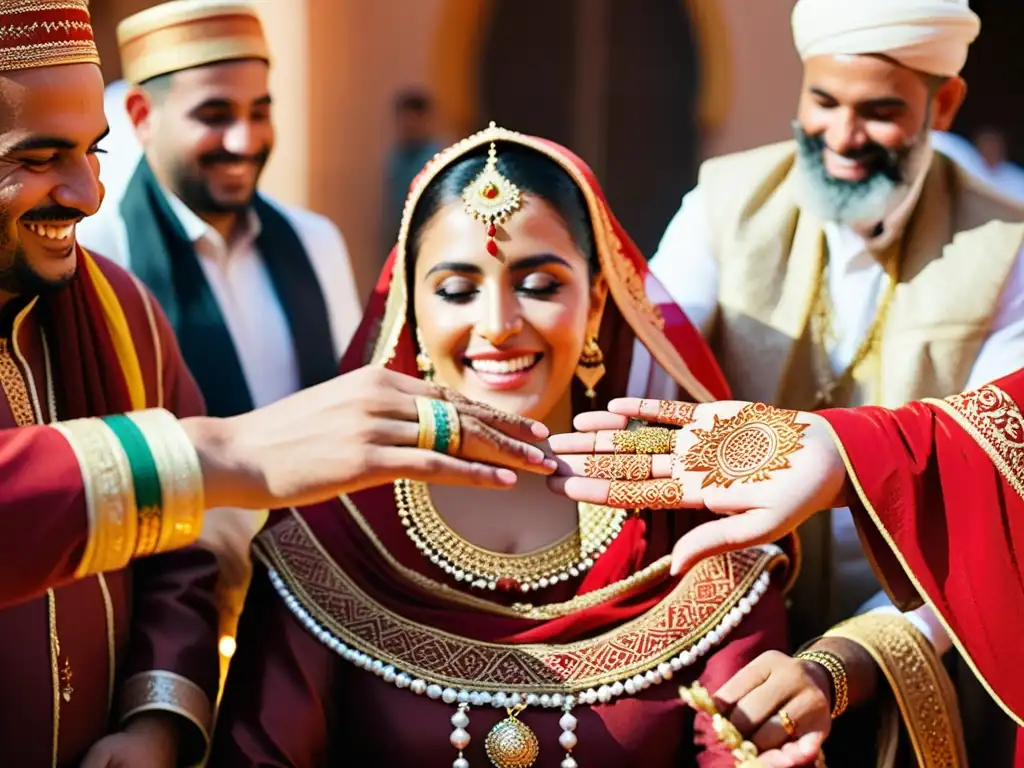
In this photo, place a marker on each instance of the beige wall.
(338, 64)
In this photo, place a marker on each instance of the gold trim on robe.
(922, 690)
(877, 521)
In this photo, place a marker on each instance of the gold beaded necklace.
(484, 569)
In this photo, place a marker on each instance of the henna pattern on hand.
(647, 494)
(618, 467)
(747, 447)
(676, 413)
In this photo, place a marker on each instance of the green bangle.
(145, 478)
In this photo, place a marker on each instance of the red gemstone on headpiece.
(492, 248)
(492, 231)
(508, 584)
(490, 191)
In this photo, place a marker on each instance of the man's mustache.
(221, 157)
(878, 158)
(53, 213)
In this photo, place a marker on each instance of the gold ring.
(787, 723)
(624, 441)
(653, 440)
(427, 437)
(455, 438)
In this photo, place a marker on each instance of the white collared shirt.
(243, 289)
(687, 266)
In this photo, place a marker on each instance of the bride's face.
(505, 331)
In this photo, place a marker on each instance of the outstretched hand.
(765, 469)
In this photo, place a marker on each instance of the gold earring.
(423, 362)
(590, 369)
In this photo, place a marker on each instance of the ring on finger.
(787, 723)
(439, 426)
(427, 437)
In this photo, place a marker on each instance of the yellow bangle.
(834, 666)
(427, 437)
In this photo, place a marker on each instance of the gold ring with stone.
(427, 437)
(787, 723)
(653, 440)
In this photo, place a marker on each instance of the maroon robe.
(160, 615)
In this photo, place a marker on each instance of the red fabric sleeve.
(942, 522)
(43, 516)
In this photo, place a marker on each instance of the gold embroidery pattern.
(166, 692)
(747, 447)
(630, 278)
(694, 607)
(14, 388)
(923, 691)
(999, 424)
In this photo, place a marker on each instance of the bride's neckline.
(482, 568)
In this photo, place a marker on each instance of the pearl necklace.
(483, 569)
(511, 744)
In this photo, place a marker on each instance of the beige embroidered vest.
(960, 244)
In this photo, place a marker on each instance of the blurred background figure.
(121, 148)
(1001, 172)
(415, 143)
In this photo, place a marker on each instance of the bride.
(422, 625)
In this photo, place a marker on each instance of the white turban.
(930, 36)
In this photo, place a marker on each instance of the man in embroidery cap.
(856, 265)
(261, 296)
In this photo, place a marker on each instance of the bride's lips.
(505, 371)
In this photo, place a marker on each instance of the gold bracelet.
(427, 436)
(834, 666)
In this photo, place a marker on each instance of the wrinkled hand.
(149, 740)
(774, 682)
(791, 488)
(356, 431)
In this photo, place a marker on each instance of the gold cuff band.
(834, 666)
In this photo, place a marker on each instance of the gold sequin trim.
(922, 689)
(14, 388)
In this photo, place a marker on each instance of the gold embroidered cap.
(43, 33)
(183, 34)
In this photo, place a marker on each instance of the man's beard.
(865, 202)
(195, 190)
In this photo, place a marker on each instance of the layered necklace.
(484, 569)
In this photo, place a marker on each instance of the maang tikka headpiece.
(491, 198)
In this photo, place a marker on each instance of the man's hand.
(149, 740)
(777, 467)
(356, 431)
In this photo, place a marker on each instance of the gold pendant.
(511, 744)
(65, 678)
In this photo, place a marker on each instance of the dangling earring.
(423, 362)
(590, 369)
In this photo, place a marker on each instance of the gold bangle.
(428, 426)
(834, 666)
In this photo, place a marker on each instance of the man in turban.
(856, 265)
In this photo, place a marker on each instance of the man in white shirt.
(261, 296)
(855, 265)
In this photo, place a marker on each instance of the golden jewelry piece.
(643, 440)
(747, 447)
(744, 751)
(787, 723)
(454, 426)
(484, 569)
(491, 198)
(645, 494)
(834, 666)
(428, 428)
(512, 744)
(590, 368)
(618, 466)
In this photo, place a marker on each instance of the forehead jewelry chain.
(491, 198)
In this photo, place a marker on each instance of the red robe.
(940, 505)
(157, 614)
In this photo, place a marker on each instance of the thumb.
(97, 757)
(757, 526)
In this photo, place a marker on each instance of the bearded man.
(856, 265)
